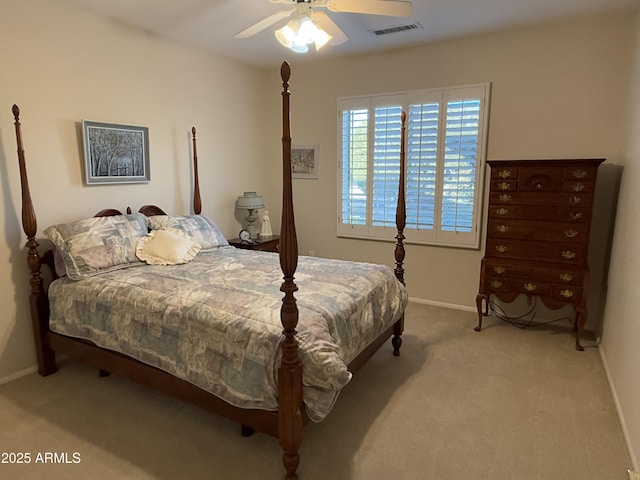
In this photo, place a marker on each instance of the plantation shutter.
(460, 163)
(355, 126)
(422, 157)
(386, 164)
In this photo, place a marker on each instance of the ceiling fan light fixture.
(300, 32)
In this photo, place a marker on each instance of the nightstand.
(265, 244)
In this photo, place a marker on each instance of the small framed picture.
(305, 161)
(115, 153)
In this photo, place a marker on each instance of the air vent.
(401, 28)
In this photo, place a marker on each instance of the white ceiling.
(212, 24)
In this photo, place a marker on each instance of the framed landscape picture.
(305, 161)
(115, 153)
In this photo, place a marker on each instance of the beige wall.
(557, 91)
(61, 66)
(621, 334)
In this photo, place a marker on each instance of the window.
(445, 156)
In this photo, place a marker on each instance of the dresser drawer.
(498, 284)
(504, 186)
(504, 173)
(541, 212)
(578, 187)
(576, 233)
(569, 294)
(537, 251)
(532, 271)
(541, 180)
(580, 172)
(560, 199)
(559, 293)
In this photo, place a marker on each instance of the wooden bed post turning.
(37, 299)
(197, 202)
(401, 219)
(290, 418)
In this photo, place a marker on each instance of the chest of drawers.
(539, 219)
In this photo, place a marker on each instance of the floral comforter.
(215, 321)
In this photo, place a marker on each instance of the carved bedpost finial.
(285, 72)
(197, 201)
(16, 112)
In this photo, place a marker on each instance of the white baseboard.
(625, 431)
(17, 375)
(442, 304)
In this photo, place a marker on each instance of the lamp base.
(253, 231)
(252, 228)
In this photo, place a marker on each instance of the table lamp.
(251, 202)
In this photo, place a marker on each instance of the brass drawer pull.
(566, 293)
(530, 287)
(571, 233)
(504, 198)
(575, 215)
(568, 254)
(501, 248)
(502, 212)
(575, 200)
(577, 187)
(496, 284)
(566, 277)
(579, 173)
(502, 228)
(504, 173)
(504, 186)
(499, 269)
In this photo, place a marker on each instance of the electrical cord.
(523, 321)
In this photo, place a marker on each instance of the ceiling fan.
(307, 10)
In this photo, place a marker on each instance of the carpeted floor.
(501, 404)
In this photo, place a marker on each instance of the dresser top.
(548, 162)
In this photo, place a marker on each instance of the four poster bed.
(197, 326)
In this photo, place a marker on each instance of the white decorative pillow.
(98, 244)
(169, 246)
(199, 227)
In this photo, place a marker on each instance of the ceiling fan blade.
(264, 23)
(372, 7)
(329, 26)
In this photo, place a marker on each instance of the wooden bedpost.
(401, 219)
(290, 419)
(37, 299)
(197, 201)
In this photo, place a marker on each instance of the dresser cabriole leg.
(481, 311)
(581, 320)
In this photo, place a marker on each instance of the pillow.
(99, 244)
(201, 228)
(167, 247)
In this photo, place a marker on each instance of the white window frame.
(434, 236)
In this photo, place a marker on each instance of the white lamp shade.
(249, 201)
